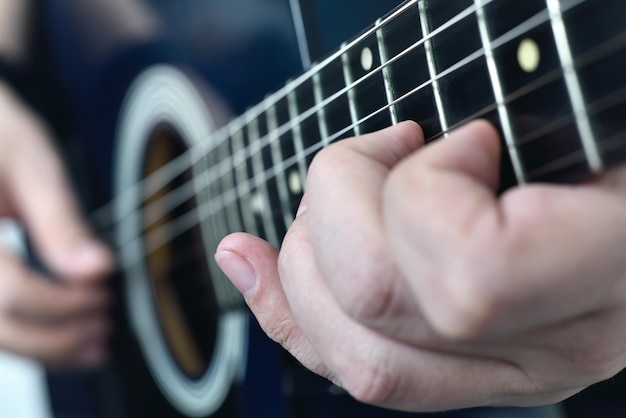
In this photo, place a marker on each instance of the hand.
(406, 280)
(60, 321)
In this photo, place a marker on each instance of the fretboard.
(548, 73)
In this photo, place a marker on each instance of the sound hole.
(183, 293)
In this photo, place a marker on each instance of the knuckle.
(325, 162)
(66, 344)
(294, 247)
(464, 306)
(368, 290)
(370, 383)
(283, 332)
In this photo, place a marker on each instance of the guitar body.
(184, 343)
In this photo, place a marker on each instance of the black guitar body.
(184, 345)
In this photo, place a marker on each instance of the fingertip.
(238, 270)
(85, 260)
(252, 247)
(480, 133)
(411, 129)
(473, 151)
(233, 242)
(249, 262)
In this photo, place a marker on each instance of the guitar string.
(239, 193)
(212, 174)
(193, 217)
(230, 197)
(148, 186)
(240, 156)
(258, 145)
(615, 140)
(192, 254)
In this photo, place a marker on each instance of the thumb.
(251, 264)
(40, 195)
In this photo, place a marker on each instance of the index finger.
(344, 189)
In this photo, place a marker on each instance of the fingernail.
(303, 206)
(238, 270)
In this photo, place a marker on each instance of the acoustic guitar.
(548, 73)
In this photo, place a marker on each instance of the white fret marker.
(367, 59)
(257, 203)
(528, 55)
(295, 184)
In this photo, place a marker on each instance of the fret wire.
(432, 70)
(347, 76)
(321, 113)
(277, 159)
(224, 293)
(297, 135)
(503, 113)
(226, 174)
(241, 175)
(261, 198)
(382, 51)
(573, 86)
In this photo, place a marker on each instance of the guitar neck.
(547, 73)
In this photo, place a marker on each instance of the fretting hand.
(408, 281)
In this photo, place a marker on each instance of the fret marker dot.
(367, 59)
(295, 184)
(257, 203)
(528, 55)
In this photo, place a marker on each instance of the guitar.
(548, 73)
